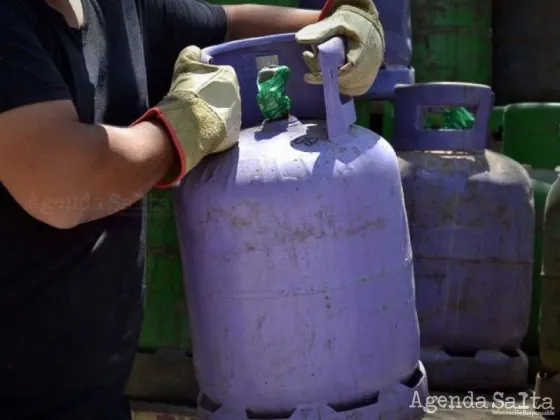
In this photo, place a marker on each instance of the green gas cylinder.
(165, 322)
(495, 142)
(548, 383)
(528, 123)
(163, 368)
(388, 121)
(452, 40)
(363, 112)
(541, 181)
(528, 137)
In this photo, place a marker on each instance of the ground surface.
(145, 411)
(499, 412)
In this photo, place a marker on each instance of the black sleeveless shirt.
(70, 305)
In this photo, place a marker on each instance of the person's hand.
(201, 112)
(356, 21)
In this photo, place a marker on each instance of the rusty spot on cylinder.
(239, 221)
(379, 223)
(260, 321)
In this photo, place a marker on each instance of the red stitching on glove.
(325, 9)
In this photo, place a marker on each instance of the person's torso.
(71, 303)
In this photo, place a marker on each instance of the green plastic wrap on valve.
(271, 92)
(456, 118)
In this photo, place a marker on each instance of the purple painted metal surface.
(386, 80)
(248, 56)
(340, 116)
(471, 219)
(395, 18)
(298, 266)
(410, 133)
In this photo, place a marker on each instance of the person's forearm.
(251, 20)
(106, 170)
(65, 173)
(130, 163)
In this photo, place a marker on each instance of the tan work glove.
(201, 112)
(357, 21)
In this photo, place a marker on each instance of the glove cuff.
(179, 170)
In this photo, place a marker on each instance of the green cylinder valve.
(271, 92)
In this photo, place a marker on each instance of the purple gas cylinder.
(395, 18)
(471, 221)
(298, 266)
